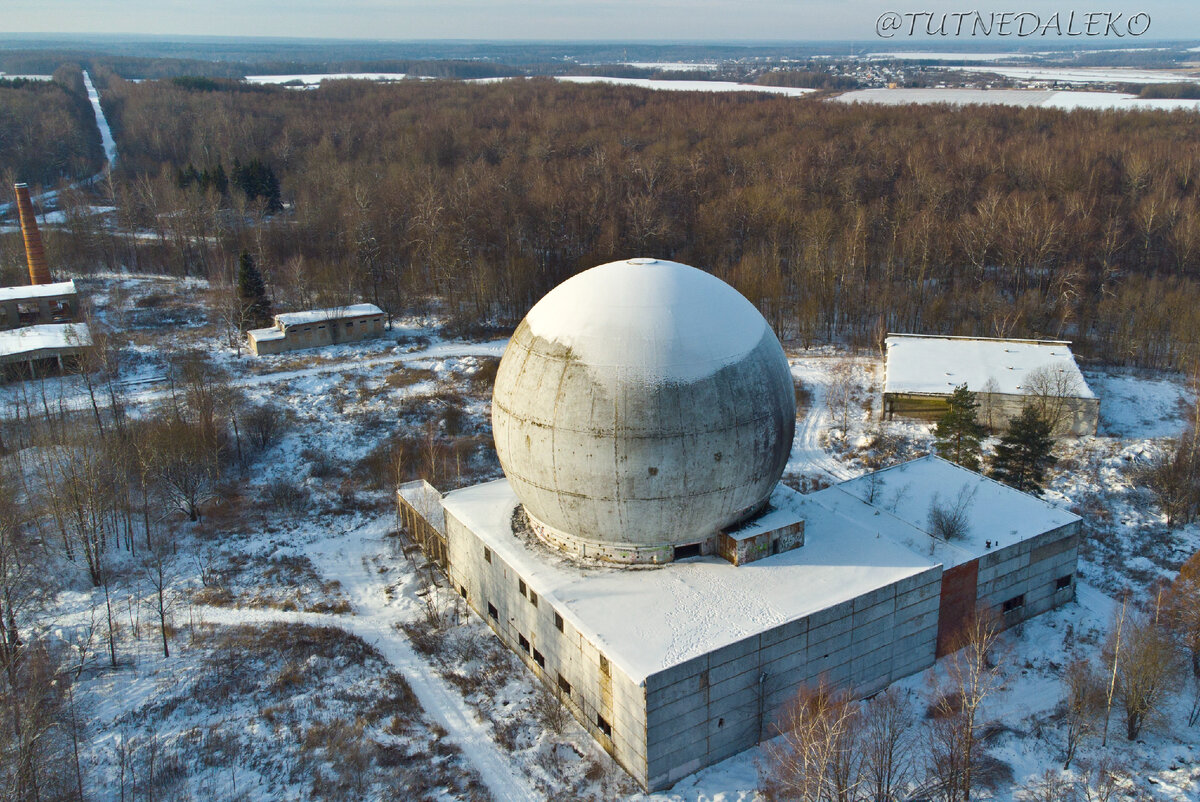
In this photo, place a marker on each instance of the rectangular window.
(1062, 582)
(604, 667)
(539, 658)
(521, 586)
(1015, 603)
(603, 725)
(523, 642)
(533, 598)
(462, 591)
(487, 554)
(492, 613)
(690, 550)
(563, 685)
(558, 622)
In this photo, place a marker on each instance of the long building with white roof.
(923, 370)
(313, 328)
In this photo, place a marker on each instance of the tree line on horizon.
(840, 222)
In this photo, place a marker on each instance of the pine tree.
(252, 292)
(958, 434)
(1024, 452)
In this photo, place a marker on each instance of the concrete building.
(35, 351)
(38, 304)
(676, 642)
(922, 371)
(294, 331)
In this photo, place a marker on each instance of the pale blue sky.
(552, 19)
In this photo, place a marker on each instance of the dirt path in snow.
(807, 453)
(344, 559)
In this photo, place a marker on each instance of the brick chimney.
(39, 273)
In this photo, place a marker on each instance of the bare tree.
(839, 394)
(951, 520)
(817, 757)
(1083, 700)
(972, 672)
(158, 570)
(1145, 666)
(988, 407)
(1050, 390)
(887, 747)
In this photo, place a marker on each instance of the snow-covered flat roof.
(930, 365)
(647, 618)
(321, 315)
(997, 513)
(260, 335)
(47, 335)
(426, 500)
(37, 291)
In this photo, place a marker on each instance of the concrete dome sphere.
(640, 405)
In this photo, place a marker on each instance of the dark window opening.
(775, 546)
(563, 685)
(720, 722)
(492, 612)
(539, 658)
(1015, 603)
(690, 550)
(1062, 582)
(487, 554)
(349, 324)
(533, 598)
(523, 642)
(604, 726)
(462, 591)
(558, 622)
(521, 586)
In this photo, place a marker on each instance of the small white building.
(923, 370)
(314, 328)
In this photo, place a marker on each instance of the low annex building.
(294, 331)
(923, 370)
(643, 559)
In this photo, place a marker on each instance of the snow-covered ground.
(1093, 75)
(1044, 98)
(106, 137)
(315, 79)
(328, 558)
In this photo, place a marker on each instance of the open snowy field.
(1043, 98)
(315, 79)
(1093, 75)
(313, 655)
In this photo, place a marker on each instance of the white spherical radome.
(641, 405)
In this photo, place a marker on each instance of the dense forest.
(840, 222)
(47, 129)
